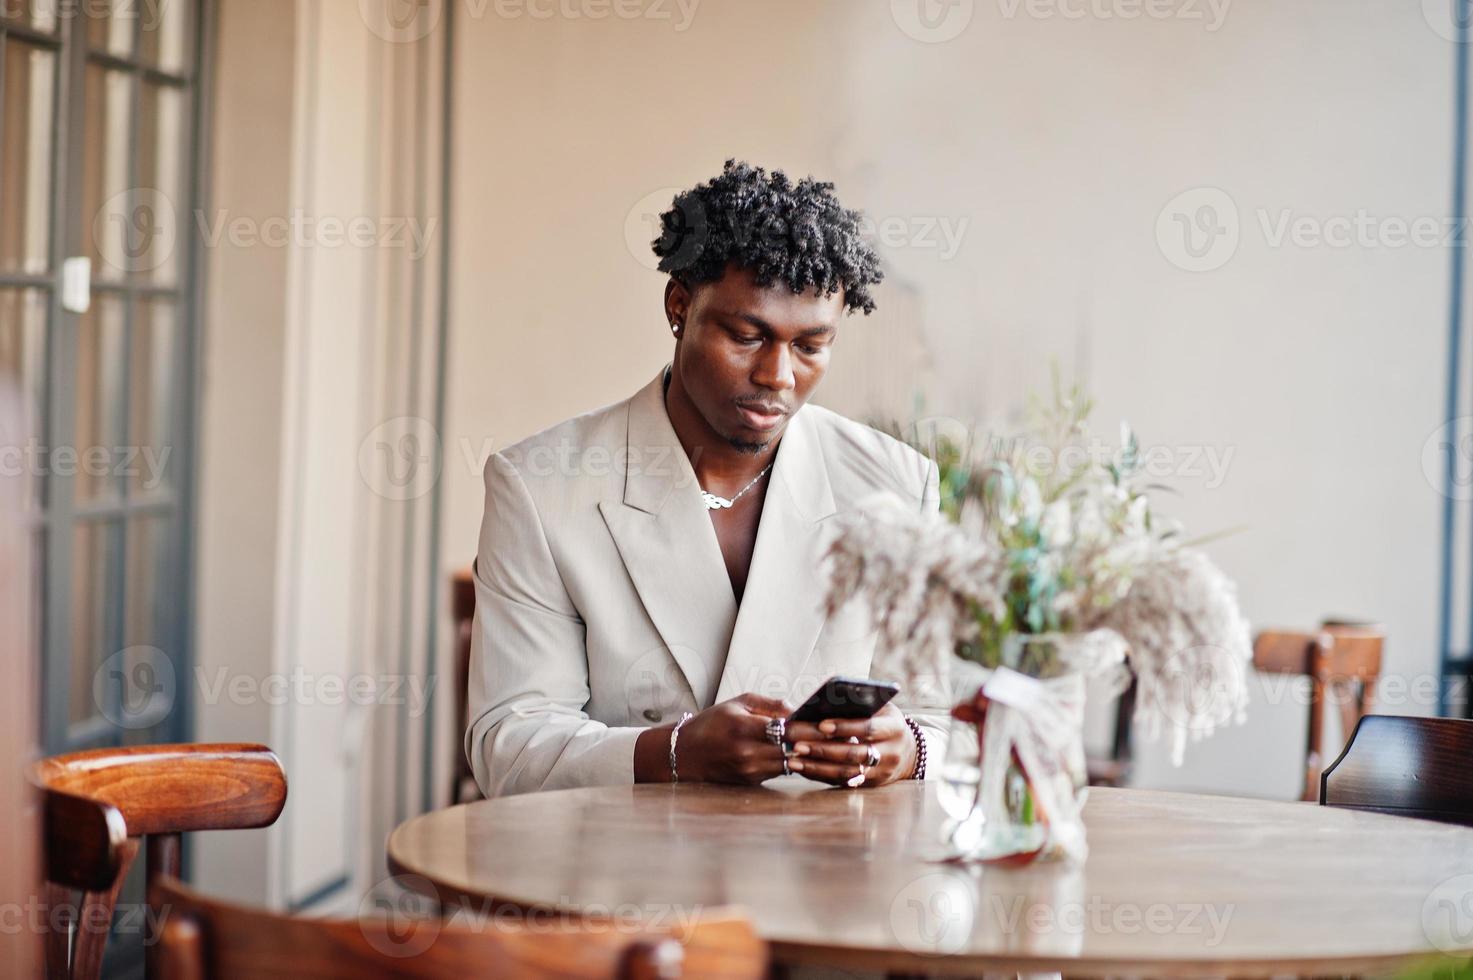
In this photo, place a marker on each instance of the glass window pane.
(147, 540)
(120, 235)
(151, 390)
(39, 15)
(25, 158)
(22, 368)
(35, 609)
(161, 182)
(111, 24)
(94, 454)
(165, 36)
(94, 546)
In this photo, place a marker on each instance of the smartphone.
(845, 698)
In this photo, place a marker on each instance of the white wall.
(240, 410)
(1058, 142)
(314, 577)
(1318, 368)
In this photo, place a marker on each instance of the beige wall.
(314, 577)
(1053, 144)
(241, 405)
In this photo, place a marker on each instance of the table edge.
(963, 963)
(898, 960)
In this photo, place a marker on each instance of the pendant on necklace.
(714, 502)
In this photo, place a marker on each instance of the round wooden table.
(1176, 884)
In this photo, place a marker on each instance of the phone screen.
(846, 698)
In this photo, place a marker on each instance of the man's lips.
(762, 418)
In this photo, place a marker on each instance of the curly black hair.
(797, 233)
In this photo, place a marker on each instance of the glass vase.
(1025, 729)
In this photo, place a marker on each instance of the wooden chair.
(1114, 769)
(463, 611)
(1411, 767)
(100, 806)
(204, 938)
(1342, 661)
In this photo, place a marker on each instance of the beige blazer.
(603, 606)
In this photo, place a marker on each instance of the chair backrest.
(202, 937)
(463, 612)
(172, 789)
(1342, 661)
(100, 805)
(1411, 767)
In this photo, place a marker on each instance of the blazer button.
(650, 714)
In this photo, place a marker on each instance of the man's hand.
(829, 753)
(726, 743)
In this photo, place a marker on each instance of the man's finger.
(842, 752)
(768, 707)
(770, 759)
(805, 731)
(753, 724)
(829, 772)
(864, 729)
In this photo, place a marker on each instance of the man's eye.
(809, 349)
(747, 340)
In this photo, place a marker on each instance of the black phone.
(845, 698)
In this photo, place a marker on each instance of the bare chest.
(736, 533)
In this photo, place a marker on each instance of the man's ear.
(677, 305)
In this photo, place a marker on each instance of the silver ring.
(786, 770)
(872, 757)
(777, 730)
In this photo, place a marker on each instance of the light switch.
(76, 284)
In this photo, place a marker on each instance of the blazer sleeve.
(930, 704)
(526, 728)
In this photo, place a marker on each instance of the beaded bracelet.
(915, 730)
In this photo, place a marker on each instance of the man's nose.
(774, 368)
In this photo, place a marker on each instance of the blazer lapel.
(669, 548)
(782, 610)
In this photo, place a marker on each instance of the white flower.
(1055, 528)
(1135, 516)
(1189, 648)
(919, 575)
(1030, 499)
(1075, 553)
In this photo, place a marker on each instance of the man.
(650, 584)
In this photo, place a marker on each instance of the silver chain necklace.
(714, 502)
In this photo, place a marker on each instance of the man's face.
(750, 356)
